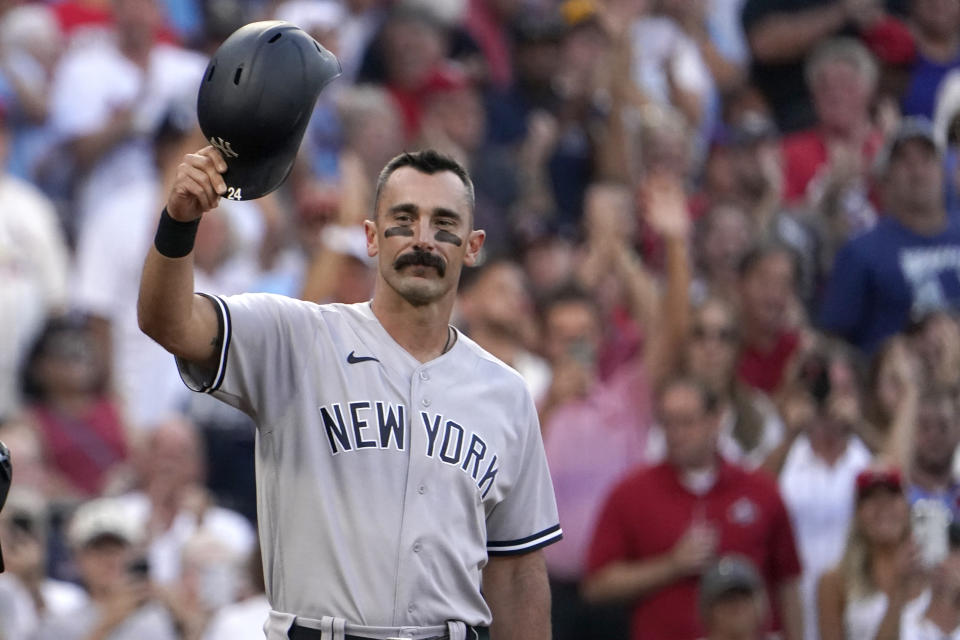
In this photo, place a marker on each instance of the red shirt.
(83, 448)
(650, 510)
(763, 370)
(805, 155)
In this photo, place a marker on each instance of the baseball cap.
(256, 99)
(911, 128)
(731, 574)
(871, 478)
(579, 12)
(103, 517)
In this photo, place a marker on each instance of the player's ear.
(370, 229)
(474, 244)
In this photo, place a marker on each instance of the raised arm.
(168, 311)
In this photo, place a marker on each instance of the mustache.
(421, 258)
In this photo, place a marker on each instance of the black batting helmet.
(256, 99)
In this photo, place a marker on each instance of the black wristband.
(174, 239)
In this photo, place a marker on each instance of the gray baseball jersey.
(383, 483)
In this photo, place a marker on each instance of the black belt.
(298, 632)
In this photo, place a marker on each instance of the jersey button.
(422, 489)
(416, 547)
(425, 402)
(411, 608)
(424, 375)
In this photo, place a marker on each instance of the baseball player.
(399, 466)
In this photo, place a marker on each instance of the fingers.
(199, 184)
(202, 180)
(212, 163)
(192, 183)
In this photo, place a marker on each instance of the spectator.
(109, 96)
(65, 381)
(827, 166)
(496, 311)
(488, 22)
(578, 410)
(454, 122)
(172, 503)
(714, 27)
(414, 46)
(27, 596)
(121, 605)
(596, 432)
(373, 133)
(936, 613)
(744, 170)
(932, 443)
(244, 619)
(782, 33)
(724, 236)
(33, 264)
(935, 339)
(936, 31)
(537, 45)
(905, 267)
(668, 67)
(210, 581)
(733, 604)
(750, 428)
(35, 473)
(893, 385)
(30, 47)
(864, 595)
(704, 507)
(768, 304)
(823, 455)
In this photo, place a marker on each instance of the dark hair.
(72, 325)
(568, 293)
(708, 399)
(764, 249)
(427, 161)
(471, 277)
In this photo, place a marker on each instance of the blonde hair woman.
(863, 596)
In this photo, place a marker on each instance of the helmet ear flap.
(256, 99)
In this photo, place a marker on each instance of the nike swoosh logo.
(352, 359)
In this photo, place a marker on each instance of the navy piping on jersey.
(223, 315)
(223, 329)
(524, 545)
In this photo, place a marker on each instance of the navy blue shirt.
(885, 277)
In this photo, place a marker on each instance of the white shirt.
(914, 625)
(19, 617)
(240, 621)
(820, 501)
(165, 550)
(33, 276)
(95, 80)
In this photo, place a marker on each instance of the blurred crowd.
(723, 250)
